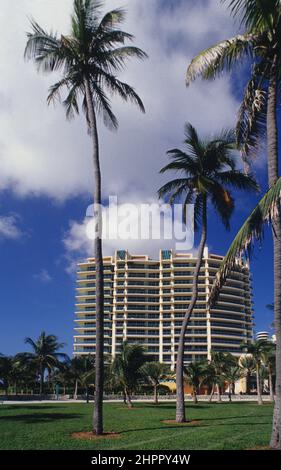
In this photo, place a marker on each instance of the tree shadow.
(40, 417)
(187, 426)
(29, 407)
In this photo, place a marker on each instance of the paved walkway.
(235, 399)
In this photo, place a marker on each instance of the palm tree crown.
(208, 169)
(261, 44)
(94, 50)
(45, 354)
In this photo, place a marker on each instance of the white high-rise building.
(262, 336)
(146, 299)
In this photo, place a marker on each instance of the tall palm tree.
(154, 372)
(261, 44)
(89, 58)
(208, 170)
(195, 374)
(126, 368)
(248, 366)
(45, 354)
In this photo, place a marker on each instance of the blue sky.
(45, 178)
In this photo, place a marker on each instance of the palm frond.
(115, 86)
(172, 186)
(252, 229)
(116, 59)
(181, 162)
(112, 19)
(254, 14)
(45, 49)
(251, 120)
(103, 108)
(71, 103)
(238, 180)
(212, 61)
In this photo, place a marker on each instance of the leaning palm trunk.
(260, 402)
(128, 398)
(248, 385)
(270, 381)
(229, 393)
(41, 380)
(156, 394)
(180, 411)
(212, 393)
(99, 371)
(195, 400)
(273, 173)
(219, 393)
(76, 390)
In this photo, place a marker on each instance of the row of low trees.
(90, 58)
(46, 367)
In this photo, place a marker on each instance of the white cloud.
(43, 276)
(142, 229)
(9, 227)
(42, 154)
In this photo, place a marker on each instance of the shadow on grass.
(170, 406)
(29, 407)
(185, 426)
(40, 417)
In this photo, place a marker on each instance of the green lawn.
(221, 426)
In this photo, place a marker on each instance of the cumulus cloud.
(140, 227)
(42, 154)
(43, 276)
(9, 227)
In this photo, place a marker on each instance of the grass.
(220, 426)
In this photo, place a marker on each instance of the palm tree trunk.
(156, 394)
(273, 173)
(99, 367)
(76, 390)
(260, 402)
(212, 393)
(219, 394)
(270, 381)
(248, 388)
(128, 398)
(195, 400)
(229, 393)
(180, 411)
(41, 380)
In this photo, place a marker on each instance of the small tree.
(232, 374)
(153, 372)
(126, 368)
(45, 354)
(256, 349)
(248, 366)
(195, 375)
(269, 360)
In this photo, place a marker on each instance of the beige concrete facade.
(145, 302)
